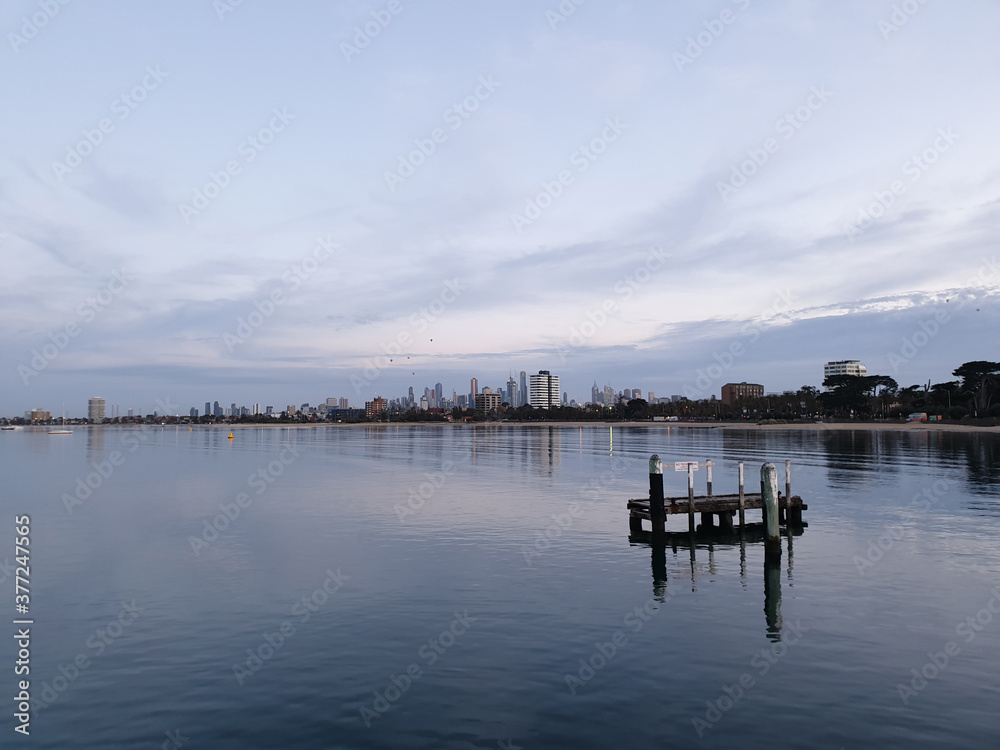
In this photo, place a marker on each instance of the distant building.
(733, 392)
(512, 394)
(844, 367)
(424, 403)
(343, 403)
(544, 390)
(652, 397)
(95, 410)
(375, 408)
(38, 415)
(674, 399)
(488, 400)
(207, 412)
(595, 394)
(193, 413)
(523, 393)
(609, 396)
(217, 409)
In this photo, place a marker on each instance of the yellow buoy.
(230, 436)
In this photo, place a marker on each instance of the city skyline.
(474, 225)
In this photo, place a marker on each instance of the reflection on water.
(333, 508)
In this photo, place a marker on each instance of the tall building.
(524, 389)
(487, 400)
(652, 397)
(474, 386)
(512, 395)
(609, 396)
(844, 367)
(193, 413)
(438, 395)
(544, 390)
(206, 409)
(595, 394)
(375, 408)
(38, 415)
(95, 409)
(410, 399)
(343, 403)
(207, 412)
(733, 392)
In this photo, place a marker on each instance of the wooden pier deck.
(721, 507)
(775, 508)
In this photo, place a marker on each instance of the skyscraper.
(438, 394)
(512, 395)
(472, 393)
(524, 389)
(95, 409)
(544, 390)
(217, 409)
(595, 394)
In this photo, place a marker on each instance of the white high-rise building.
(95, 409)
(544, 390)
(845, 367)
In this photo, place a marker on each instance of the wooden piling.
(769, 497)
(656, 514)
(708, 470)
(742, 499)
(788, 482)
(690, 498)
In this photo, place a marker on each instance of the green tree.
(980, 379)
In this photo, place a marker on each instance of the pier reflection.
(713, 543)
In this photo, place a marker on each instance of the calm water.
(451, 621)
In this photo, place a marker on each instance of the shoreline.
(739, 426)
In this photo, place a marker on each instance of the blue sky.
(623, 193)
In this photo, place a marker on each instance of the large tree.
(980, 380)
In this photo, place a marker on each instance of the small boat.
(10, 427)
(60, 432)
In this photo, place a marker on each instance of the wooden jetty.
(775, 508)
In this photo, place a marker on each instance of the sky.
(266, 202)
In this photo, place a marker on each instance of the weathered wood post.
(690, 498)
(769, 500)
(742, 500)
(708, 470)
(788, 482)
(656, 514)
